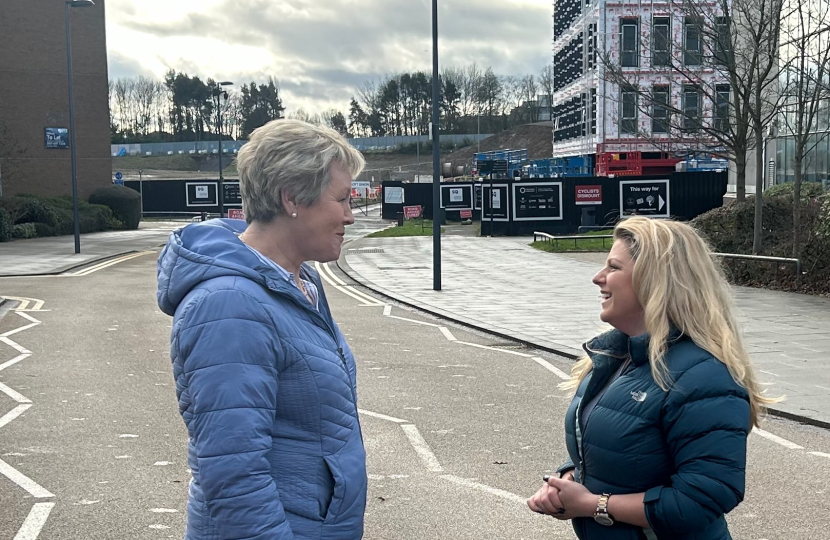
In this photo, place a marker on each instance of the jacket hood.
(203, 251)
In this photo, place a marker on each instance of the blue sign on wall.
(56, 137)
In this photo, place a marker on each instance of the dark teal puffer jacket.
(266, 387)
(685, 448)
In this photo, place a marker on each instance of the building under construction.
(595, 120)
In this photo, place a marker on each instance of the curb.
(343, 265)
(71, 267)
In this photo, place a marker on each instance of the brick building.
(34, 97)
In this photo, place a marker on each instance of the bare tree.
(758, 23)
(529, 91)
(145, 93)
(512, 97)
(470, 104)
(546, 86)
(804, 75)
(726, 62)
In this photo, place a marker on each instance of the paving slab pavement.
(55, 255)
(504, 286)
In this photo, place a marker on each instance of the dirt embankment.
(380, 166)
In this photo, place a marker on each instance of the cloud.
(324, 51)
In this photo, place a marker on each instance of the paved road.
(459, 425)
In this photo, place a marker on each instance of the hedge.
(729, 229)
(124, 202)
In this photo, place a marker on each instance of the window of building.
(724, 43)
(628, 111)
(692, 42)
(722, 109)
(691, 108)
(629, 43)
(661, 41)
(660, 109)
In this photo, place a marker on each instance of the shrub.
(729, 229)
(24, 230)
(32, 210)
(44, 230)
(5, 225)
(124, 202)
(809, 190)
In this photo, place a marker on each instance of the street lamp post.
(75, 211)
(218, 93)
(436, 158)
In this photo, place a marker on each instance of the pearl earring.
(294, 214)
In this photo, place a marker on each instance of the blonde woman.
(657, 429)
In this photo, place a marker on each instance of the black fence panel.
(565, 204)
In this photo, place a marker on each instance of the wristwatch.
(602, 516)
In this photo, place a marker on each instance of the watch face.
(604, 519)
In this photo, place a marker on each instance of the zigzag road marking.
(39, 513)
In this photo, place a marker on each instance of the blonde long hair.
(678, 283)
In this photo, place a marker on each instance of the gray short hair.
(294, 157)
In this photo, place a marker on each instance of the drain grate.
(366, 250)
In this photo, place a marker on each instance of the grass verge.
(412, 227)
(586, 243)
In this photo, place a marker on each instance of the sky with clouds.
(322, 51)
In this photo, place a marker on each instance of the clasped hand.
(563, 498)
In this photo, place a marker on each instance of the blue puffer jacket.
(266, 387)
(685, 448)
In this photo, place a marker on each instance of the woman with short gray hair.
(265, 379)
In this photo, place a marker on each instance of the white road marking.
(447, 334)
(34, 521)
(14, 413)
(382, 416)
(20, 398)
(29, 317)
(15, 346)
(327, 275)
(331, 276)
(421, 448)
(550, 367)
(768, 372)
(487, 489)
(506, 351)
(21, 329)
(14, 360)
(163, 510)
(820, 454)
(111, 262)
(414, 321)
(387, 310)
(776, 439)
(37, 305)
(32, 487)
